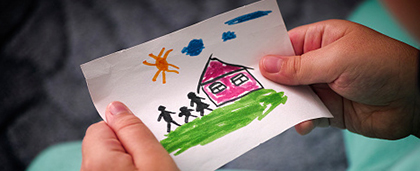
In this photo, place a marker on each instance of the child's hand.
(123, 143)
(366, 79)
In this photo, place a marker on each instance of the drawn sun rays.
(161, 64)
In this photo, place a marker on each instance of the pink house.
(223, 82)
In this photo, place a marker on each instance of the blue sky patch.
(247, 17)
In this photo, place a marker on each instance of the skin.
(112, 146)
(367, 80)
(407, 14)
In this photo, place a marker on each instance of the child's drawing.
(228, 35)
(186, 112)
(239, 96)
(166, 115)
(222, 101)
(200, 106)
(194, 48)
(223, 82)
(161, 64)
(223, 120)
(247, 17)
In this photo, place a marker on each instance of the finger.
(319, 56)
(310, 68)
(333, 102)
(137, 139)
(100, 145)
(306, 127)
(310, 37)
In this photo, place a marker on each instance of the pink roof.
(217, 68)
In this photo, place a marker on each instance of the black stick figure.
(186, 112)
(200, 106)
(167, 117)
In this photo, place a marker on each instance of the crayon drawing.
(200, 106)
(228, 35)
(166, 115)
(186, 112)
(194, 48)
(247, 17)
(161, 64)
(223, 83)
(223, 120)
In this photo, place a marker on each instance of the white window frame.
(217, 87)
(239, 79)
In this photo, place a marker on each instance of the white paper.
(124, 76)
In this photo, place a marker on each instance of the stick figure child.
(200, 106)
(167, 117)
(186, 112)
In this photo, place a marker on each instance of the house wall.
(232, 91)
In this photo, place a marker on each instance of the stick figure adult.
(200, 106)
(166, 115)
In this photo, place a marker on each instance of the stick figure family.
(184, 111)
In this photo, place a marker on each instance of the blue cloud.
(228, 35)
(194, 48)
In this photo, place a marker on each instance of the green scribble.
(223, 120)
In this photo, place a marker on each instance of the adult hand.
(123, 143)
(366, 79)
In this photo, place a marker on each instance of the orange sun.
(161, 64)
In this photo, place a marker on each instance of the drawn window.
(239, 79)
(217, 87)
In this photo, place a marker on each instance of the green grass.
(223, 120)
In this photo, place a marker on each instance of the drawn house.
(223, 82)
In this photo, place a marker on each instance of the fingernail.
(116, 108)
(272, 64)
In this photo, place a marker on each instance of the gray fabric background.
(43, 95)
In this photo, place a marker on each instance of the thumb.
(136, 138)
(309, 68)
